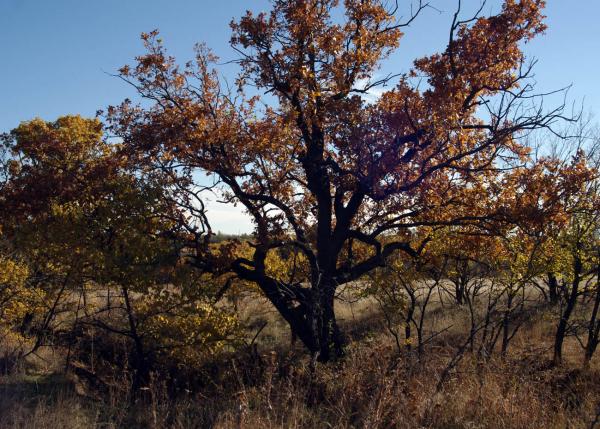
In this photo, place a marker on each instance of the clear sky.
(57, 54)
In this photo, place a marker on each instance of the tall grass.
(273, 386)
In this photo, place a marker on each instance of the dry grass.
(373, 387)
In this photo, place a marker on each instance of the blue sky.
(57, 54)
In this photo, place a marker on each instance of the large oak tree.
(325, 173)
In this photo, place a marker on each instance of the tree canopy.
(322, 170)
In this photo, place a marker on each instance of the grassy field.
(270, 384)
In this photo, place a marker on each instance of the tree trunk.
(566, 314)
(552, 288)
(460, 292)
(460, 286)
(328, 336)
(506, 324)
(407, 321)
(593, 337)
(141, 364)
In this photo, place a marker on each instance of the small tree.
(578, 247)
(105, 247)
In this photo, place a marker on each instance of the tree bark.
(141, 364)
(566, 314)
(552, 288)
(593, 337)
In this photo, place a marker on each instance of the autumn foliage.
(437, 193)
(321, 170)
